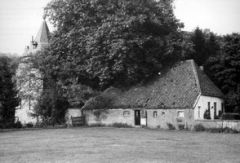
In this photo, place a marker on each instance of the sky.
(21, 19)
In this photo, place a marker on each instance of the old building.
(180, 95)
(29, 80)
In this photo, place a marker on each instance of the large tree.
(111, 42)
(205, 44)
(224, 69)
(8, 92)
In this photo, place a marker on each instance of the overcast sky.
(21, 19)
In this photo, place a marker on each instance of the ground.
(117, 145)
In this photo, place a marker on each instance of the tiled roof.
(43, 34)
(178, 87)
(207, 87)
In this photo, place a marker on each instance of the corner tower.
(29, 78)
(41, 40)
(43, 35)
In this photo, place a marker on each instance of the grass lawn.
(117, 145)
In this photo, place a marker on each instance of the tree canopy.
(8, 92)
(224, 69)
(111, 42)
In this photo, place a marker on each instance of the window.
(222, 108)
(209, 110)
(215, 109)
(143, 113)
(199, 109)
(126, 113)
(180, 114)
(209, 105)
(154, 114)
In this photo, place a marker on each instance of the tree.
(212, 45)
(101, 43)
(205, 44)
(224, 69)
(8, 92)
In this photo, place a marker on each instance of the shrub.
(98, 102)
(11, 125)
(97, 125)
(121, 125)
(181, 127)
(29, 125)
(229, 130)
(199, 127)
(171, 126)
(18, 124)
(206, 114)
(214, 130)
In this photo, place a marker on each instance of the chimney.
(201, 68)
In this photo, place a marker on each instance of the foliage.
(18, 124)
(77, 94)
(199, 127)
(181, 126)
(205, 44)
(29, 80)
(229, 130)
(29, 125)
(171, 126)
(98, 102)
(74, 92)
(51, 108)
(8, 125)
(8, 92)
(220, 56)
(224, 69)
(207, 114)
(97, 125)
(108, 42)
(121, 125)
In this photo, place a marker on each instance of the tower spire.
(43, 34)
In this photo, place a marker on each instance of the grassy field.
(117, 145)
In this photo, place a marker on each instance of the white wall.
(110, 116)
(23, 113)
(29, 84)
(203, 104)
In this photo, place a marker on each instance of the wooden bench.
(78, 121)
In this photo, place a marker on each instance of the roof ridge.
(194, 68)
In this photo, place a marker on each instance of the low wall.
(233, 124)
(109, 116)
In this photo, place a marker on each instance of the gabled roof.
(179, 87)
(207, 87)
(43, 34)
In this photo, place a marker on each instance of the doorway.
(137, 117)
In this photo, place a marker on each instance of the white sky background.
(21, 19)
